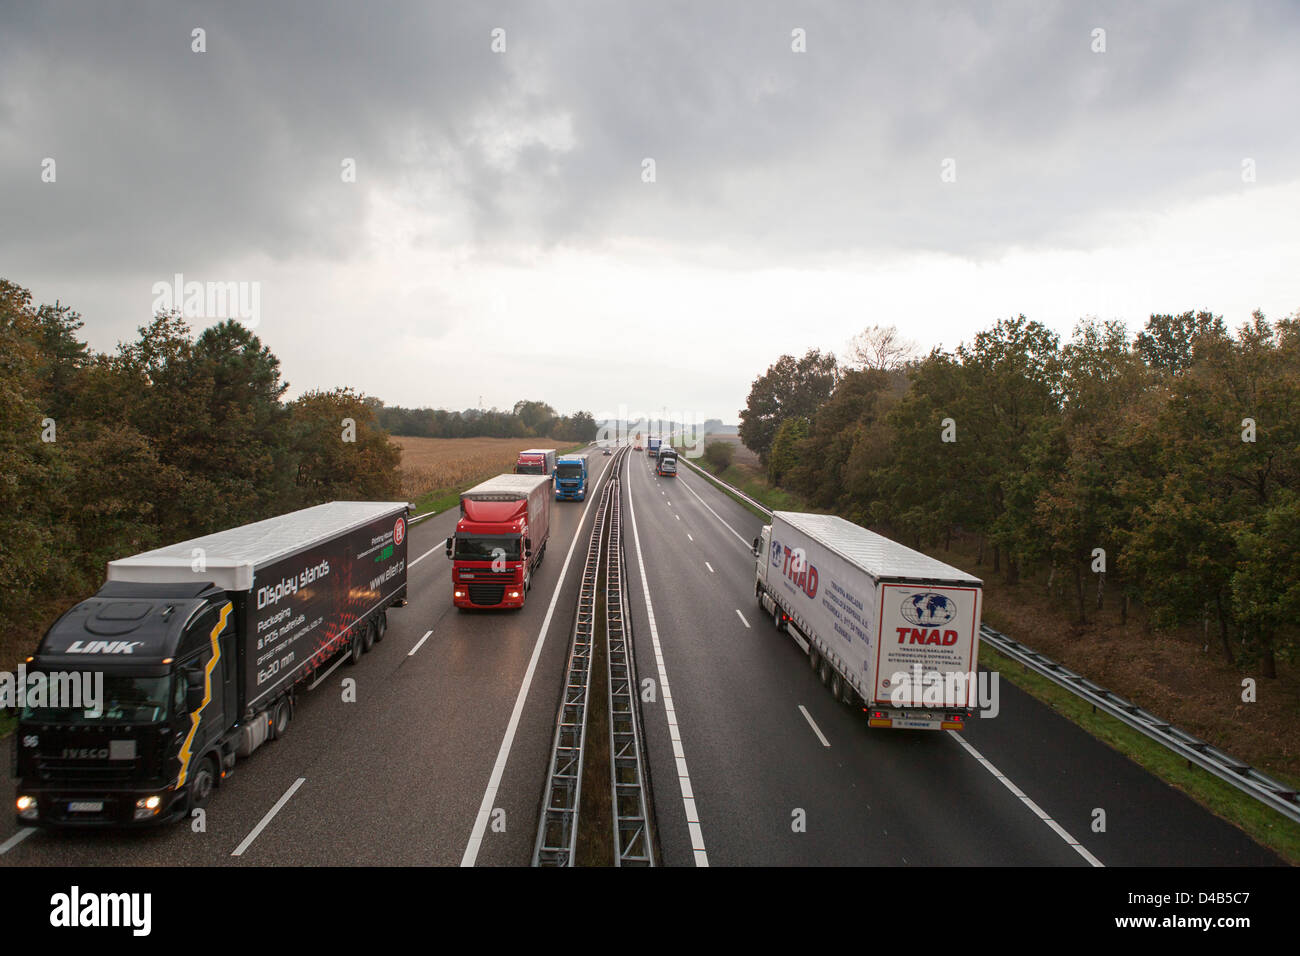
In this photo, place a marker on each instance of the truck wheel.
(357, 648)
(381, 625)
(825, 672)
(280, 720)
(776, 619)
(814, 659)
(368, 641)
(838, 685)
(202, 783)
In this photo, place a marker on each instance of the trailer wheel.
(202, 782)
(368, 638)
(381, 625)
(814, 658)
(357, 648)
(825, 672)
(280, 720)
(776, 619)
(838, 685)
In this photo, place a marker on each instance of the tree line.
(168, 437)
(526, 420)
(1162, 469)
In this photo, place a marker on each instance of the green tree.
(785, 448)
(1168, 343)
(788, 389)
(337, 461)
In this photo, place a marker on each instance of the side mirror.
(755, 548)
(194, 690)
(528, 547)
(451, 543)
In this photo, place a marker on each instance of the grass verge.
(752, 483)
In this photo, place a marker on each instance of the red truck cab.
(536, 461)
(499, 541)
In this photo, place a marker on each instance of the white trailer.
(887, 628)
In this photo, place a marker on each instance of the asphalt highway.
(781, 773)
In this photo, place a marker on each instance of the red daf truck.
(536, 461)
(499, 541)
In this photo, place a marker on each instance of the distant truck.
(499, 541)
(885, 627)
(536, 461)
(666, 463)
(571, 478)
(652, 447)
(202, 647)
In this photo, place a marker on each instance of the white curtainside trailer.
(887, 628)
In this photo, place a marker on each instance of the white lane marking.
(710, 567)
(16, 839)
(337, 664)
(1060, 831)
(747, 545)
(683, 774)
(419, 644)
(813, 724)
(503, 753)
(443, 544)
(678, 517)
(742, 618)
(688, 535)
(239, 850)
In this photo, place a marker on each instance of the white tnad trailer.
(887, 628)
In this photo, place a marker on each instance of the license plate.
(86, 806)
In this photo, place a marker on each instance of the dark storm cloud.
(167, 157)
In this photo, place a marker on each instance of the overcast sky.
(500, 240)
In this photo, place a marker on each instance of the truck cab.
(499, 540)
(151, 735)
(536, 461)
(571, 478)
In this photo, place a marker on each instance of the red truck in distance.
(499, 541)
(536, 461)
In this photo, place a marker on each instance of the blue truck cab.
(571, 478)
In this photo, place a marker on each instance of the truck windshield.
(490, 547)
(527, 469)
(137, 700)
(566, 470)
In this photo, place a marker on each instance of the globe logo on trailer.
(929, 609)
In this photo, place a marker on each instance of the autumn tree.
(790, 388)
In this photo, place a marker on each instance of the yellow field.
(434, 464)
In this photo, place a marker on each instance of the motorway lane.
(411, 797)
(395, 777)
(871, 797)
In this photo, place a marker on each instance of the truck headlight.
(147, 807)
(27, 808)
(514, 594)
(460, 594)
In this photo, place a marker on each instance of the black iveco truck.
(201, 646)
